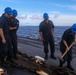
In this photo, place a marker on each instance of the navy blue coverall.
(13, 34)
(69, 37)
(45, 28)
(5, 49)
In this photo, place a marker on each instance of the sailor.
(67, 39)
(13, 32)
(5, 41)
(46, 29)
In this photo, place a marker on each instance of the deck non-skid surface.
(35, 48)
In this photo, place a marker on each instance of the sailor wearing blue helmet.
(46, 30)
(73, 28)
(15, 13)
(5, 42)
(45, 16)
(13, 32)
(68, 38)
(8, 10)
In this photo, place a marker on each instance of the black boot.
(52, 56)
(61, 64)
(46, 56)
(10, 59)
(69, 65)
(15, 57)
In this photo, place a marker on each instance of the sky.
(30, 12)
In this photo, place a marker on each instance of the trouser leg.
(3, 51)
(69, 59)
(61, 62)
(45, 47)
(10, 50)
(62, 49)
(52, 47)
(14, 43)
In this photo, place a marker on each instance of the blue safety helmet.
(8, 10)
(45, 16)
(15, 12)
(73, 28)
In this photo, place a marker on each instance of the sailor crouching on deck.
(67, 39)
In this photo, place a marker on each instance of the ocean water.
(32, 32)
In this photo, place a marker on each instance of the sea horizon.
(32, 32)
